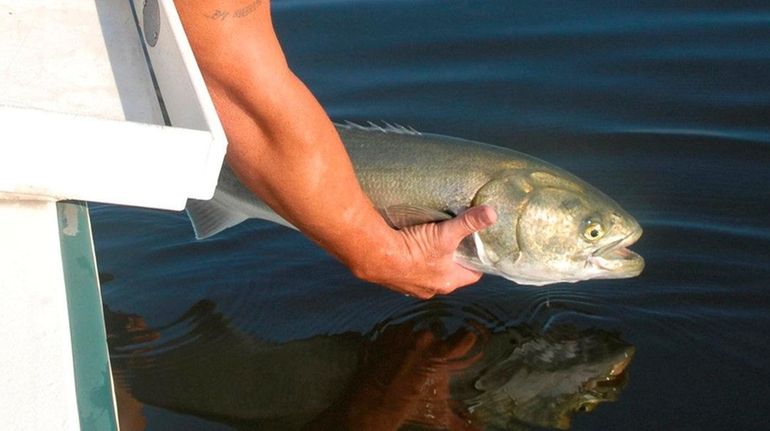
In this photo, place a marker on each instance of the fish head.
(569, 231)
(543, 378)
(556, 228)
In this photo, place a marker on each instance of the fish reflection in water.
(432, 367)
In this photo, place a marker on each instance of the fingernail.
(489, 215)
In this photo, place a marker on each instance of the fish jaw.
(615, 260)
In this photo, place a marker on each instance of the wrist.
(382, 250)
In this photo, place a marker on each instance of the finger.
(424, 339)
(457, 344)
(465, 363)
(459, 350)
(424, 294)
(462, 346)
(480, 329)
(472, 220)
(418, 292)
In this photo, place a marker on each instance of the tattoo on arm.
(221, 14)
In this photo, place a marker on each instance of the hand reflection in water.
(406, 379)
(406, 373)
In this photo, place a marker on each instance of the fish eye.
(593, 231)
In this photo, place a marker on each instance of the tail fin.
(213, 216)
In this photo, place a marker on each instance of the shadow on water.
(437, 365)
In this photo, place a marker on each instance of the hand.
(423, 265)
(300, 168)
(409, 382)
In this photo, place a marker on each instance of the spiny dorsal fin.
(384, 128)
(400, 216)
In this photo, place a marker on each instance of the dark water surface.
(665, 106)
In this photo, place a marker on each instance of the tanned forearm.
(281, 143)
(284, 148)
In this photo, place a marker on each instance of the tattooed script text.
(221, 14)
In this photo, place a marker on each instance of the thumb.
(468, 222)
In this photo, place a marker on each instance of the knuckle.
(360, 273)
(470, 224)
(472, 278)
(447, 288)
(427, 295)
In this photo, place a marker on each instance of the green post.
(93, 379)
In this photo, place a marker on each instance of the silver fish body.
(552, 227)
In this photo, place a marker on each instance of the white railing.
(81, 119)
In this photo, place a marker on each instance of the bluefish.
(552, 227)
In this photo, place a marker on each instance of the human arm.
(284, 148)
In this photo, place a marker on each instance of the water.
(663, 106)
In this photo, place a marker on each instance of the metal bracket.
(151, 21)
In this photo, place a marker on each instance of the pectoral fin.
(400, 216)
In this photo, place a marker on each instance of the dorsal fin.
(384, 128)
(400, 216)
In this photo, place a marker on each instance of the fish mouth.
(616, 260)
(609, 385)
